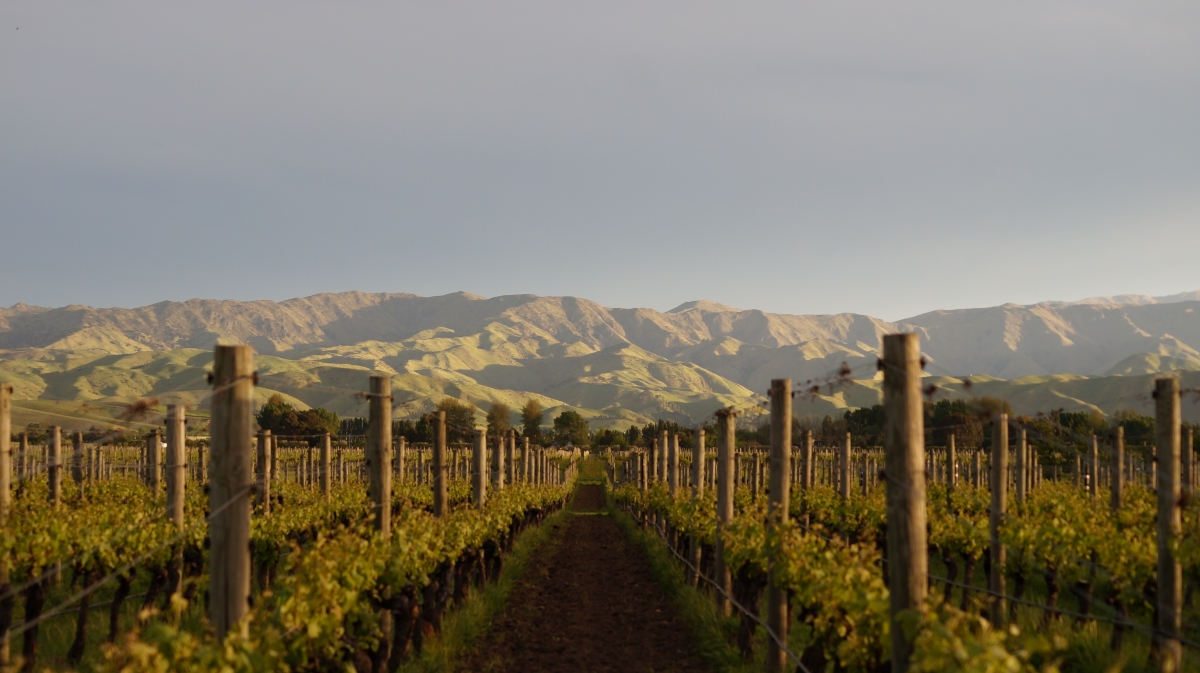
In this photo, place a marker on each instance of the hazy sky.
(885, 158)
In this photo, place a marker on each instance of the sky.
(879, 158)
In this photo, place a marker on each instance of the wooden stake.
(497, 463)
(379, 451)
(904, 447)
(1118, 464)
(1019, 472)
(440, 508)
(54, 463)
(326, 464)
(229, 494)
(176, 463)
(1187, 463)
(673, 464)
(77, 457)
(844, 465)
(479, 473)
(777, 515)
(154, 460)
(999, 555)
(1093, 467)
(951, 462)
(725, 454)
(1170, 525)
(266, 460)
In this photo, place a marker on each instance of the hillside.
(614, 365)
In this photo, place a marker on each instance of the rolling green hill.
(78, 365)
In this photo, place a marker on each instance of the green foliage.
(460, 419)
(866, 424)
(498, 421)
(283, 419)
(606, 437)
(531, 421)
(571, 428)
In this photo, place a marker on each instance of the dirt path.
(587, 602)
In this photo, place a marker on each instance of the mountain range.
(77, 364)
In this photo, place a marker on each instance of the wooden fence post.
(23, 457)
(726, 445)
(379, 451)
(77, 457)
(673, 464)
(1187, 467)
(510, 450)
(664, 448)
(998, 613)
(497, 463)
(525, 461)
(904, 449)
(1170, 525)
(1093, 468)
(844, 468)
(439, 464)
(1019, 468)
(54, 463)
(479, 470)
(266, 459)
(1118, 465)
(951, 462)
(697, 494)
(229, 491)
(777, 516)
(176, 462)
(153, 460)
(326, 464)
(5, 500)
(401, 449)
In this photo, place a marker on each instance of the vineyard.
(252, 552)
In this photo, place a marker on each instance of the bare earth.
(587, 602)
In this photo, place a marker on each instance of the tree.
(633, 435)
(498, 422)
(531, 421)
(571, 428)
(283, 419)
(460, 419)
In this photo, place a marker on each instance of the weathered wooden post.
(1019, 470)
(652, 459)
(725, 447)
(951, 461)
(777, 515)
(998, 613)
(54, 463)
(844, 465)
(497, 463)
(904, 447)
(1118, 467)
(77, 457)
(1093, 467)
(510, 450)
(401, 449)
(263, 467)
(153, 460)
(327, 464)
(230, 484)
(673, 464)
(697, 493)
(176, 462)
(664, 448)
(806, 467)
(479, 469)
(525, 460)
(1187, 467)
(1170, 526)
(440, 508)
(379, 451)
(23, 457)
